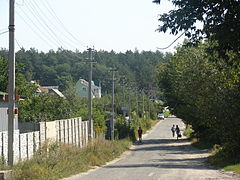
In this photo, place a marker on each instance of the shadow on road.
(163, 141)
(168, 146)
(184, 165)
(165, 147)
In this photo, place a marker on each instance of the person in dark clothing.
(178, 132)
(173, 130)
(140, 135)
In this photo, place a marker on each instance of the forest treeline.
(63, 67)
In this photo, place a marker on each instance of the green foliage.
(188, 131)
(55, 161)
(3, 75)
(25, 89)
(233, 168)
(220, 21)
(166, 113)
(205, 94)
(44, 107)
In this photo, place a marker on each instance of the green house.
(82, 89)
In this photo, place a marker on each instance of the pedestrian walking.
(178, 132)
(140, 135)
(173, 130)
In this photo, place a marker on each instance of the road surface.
(160, 157)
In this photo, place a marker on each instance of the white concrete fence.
(69, 131)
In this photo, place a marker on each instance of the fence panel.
(23, 147)
(69, 131)
(42, 132)
(30, 146)
(36, 143)
(66, 132)
(5, 146)
(16, 149)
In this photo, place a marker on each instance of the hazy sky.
(117, 25)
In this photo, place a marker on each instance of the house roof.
(84, 82)
(46, 88)
(58, 93)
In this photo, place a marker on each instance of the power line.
(41, 20)
(23, 2)
(4, 29)
(62, 24)
(62, 28)
(39, 35)
(56, 29)
(172, 42)
(20, 47)
(38, 14)
(49, 38)
(3, 32)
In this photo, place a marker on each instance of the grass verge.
(234, 168)
(219, 158)
(54, 161)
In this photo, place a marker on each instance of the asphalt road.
(160, 157)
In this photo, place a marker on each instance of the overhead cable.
(172, 42)
(3, 32)
(40, 19)
(62, 24)
(35, 30)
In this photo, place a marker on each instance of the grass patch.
(219, 158)
(196, 142)
(234, 168)
(222, 159)
(54, 161)
(188, 131)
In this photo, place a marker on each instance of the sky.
(118, 25)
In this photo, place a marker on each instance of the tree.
(220, 20)
(205, 94)
(3, 75)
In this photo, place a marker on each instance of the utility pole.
(129, 107)
(90, 132)
(11, 81)
(123, 82)
(113, 70)
(149, 101)
(149, 107)
(137, 104)
(143, 103)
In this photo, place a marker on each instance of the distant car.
(160, 116)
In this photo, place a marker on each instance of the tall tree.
(220, 20)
